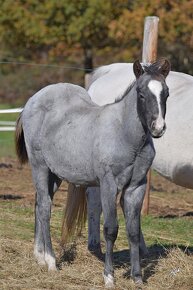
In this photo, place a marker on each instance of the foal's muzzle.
(157, 130)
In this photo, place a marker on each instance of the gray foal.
(66, 136)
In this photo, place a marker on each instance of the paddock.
(167, 230)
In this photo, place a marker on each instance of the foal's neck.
(130, 117)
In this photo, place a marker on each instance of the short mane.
(153, 68)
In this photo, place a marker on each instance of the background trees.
(175, 30)
(71, 32)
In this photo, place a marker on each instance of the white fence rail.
(8, 125)
(17, 110)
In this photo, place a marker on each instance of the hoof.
(138, 283)
(52, 268)
(95, 250)
(40, 258)
(41, 262)
(109, 281)
(51, 262)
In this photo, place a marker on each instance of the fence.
(8, 125)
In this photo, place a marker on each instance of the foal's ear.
(165, 67)
(137, 69)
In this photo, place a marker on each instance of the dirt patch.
(166, 199)
(16, 183)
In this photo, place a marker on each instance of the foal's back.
(62, 128)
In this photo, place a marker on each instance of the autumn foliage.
(84, 32)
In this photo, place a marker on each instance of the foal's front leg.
(133, 199)
(108, 198)
(142, 246)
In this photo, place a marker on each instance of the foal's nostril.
(158, 128)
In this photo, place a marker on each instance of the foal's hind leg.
(46, 184)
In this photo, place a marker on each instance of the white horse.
(174, 154)
(174, 151)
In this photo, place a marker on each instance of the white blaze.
(156, 89)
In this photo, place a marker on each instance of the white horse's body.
(174, 152)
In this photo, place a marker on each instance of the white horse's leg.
(94, 212)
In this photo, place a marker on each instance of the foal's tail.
(20, 142)
(75, 212)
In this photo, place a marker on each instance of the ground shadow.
(10, 196)
(148, 263)
(171, 216)
(5, 165)
(122, 258)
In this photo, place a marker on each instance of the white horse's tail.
(75, 212)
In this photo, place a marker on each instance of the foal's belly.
(78, 177)
(74, 172)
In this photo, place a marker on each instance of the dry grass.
(166, 268)
(175, 271)
(20, 271)
(82, 271)
(78, 269)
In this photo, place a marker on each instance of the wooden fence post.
(87, 80)
(149, 55)
(150, 39)
(88, 65)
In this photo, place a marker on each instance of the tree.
(34, 26)
(37, 30)
(175, 30)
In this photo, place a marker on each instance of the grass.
(156, 230)
(17, 218)
(7, 148)
(19, 269)
(17, 221)
(169, 240)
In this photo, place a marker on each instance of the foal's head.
(152, 94)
